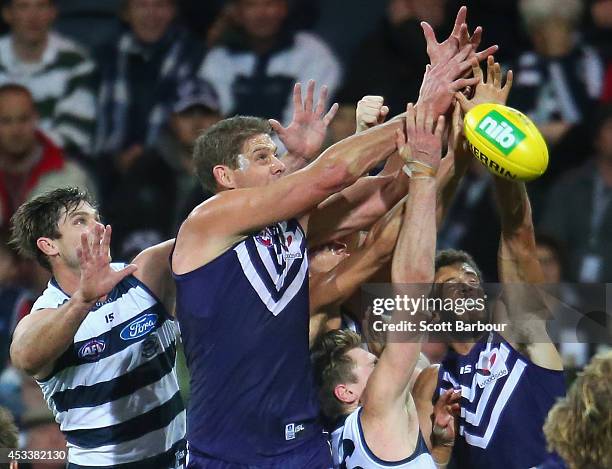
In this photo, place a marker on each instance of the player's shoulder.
(426, 383)
(51, 298)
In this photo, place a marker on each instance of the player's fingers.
(429, 121)
(476, 38)
(85, 251)
(490, 66)
(476, 70)
(439, 127)
(459, 20)
(487, 52)
(464, 35)
(98, 233)
(277, 127)
(309, 96)
(420, 118)
(382, 115)
(430, 35)
(497, 75)
(320, 109)
(509, 79)
(297, 97)
(462, 55)
(106, 239)
(410, 120)
(373, 100)
(463, 82)
(127, 270)
(331, 114)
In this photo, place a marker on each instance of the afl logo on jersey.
(139, 327)
(92, 349)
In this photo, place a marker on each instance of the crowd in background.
(119, 90)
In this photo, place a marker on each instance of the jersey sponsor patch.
(139, 327)
(490, 367)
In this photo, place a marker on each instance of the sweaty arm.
(330, 289)
(388, 423)
(231, 214)
(520, 271)
(42, 336)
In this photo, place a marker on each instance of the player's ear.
(224, 177)
(344, 394)
(47, 246)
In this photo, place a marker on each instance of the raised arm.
(226, 218)
(154, 271)
(330, 289)
(520, 271)
(42, 336)
(385, 414)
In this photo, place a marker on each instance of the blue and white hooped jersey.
(505, 399)
(244, 319)
(351, 451)
(114, 392)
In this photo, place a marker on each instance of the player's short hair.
(454, 256)
(579, 426)
(8, 432)
(332, 366)
(221, 144)
(15, 88)
(40, 217)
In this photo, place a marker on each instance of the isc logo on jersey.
(139, 327)
(506, 142)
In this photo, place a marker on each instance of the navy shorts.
(316, 454)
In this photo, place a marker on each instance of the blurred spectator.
(391, 61)
(579, 426)
(579, 214)
(258, 61)
(15, 301)
(140, 74)
(58, 72)
(146, 206)
(464, 228)
(599, 32)
(8, 435)
(30, 163)
(550, 254)
(559, 81)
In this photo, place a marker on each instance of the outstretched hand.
(97, 276)
(441, 52)
(490, 91)
(442, 81)
(421, 147)
(305, 134)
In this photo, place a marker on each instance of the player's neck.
(29, 52)
(463, 348)
(67, 279)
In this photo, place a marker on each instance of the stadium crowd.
(110, 97)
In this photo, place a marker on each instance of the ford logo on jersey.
(139, 327)
(92, 349)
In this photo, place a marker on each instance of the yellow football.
(506, 142)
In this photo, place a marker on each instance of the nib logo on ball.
(500, 132)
